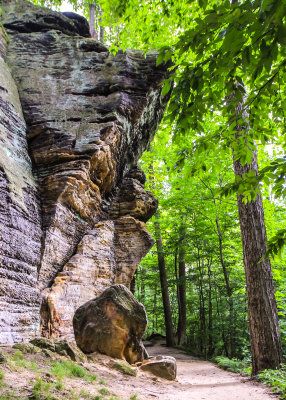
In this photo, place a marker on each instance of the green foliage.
(276, 243)
(276, 379)
(18, 361)
(18, 356)
(42, 390)
(234, 365)
(71, 370)
(194, 202)
(224, 53)
(12, 396)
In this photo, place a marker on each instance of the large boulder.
(113, 324)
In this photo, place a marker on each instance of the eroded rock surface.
(162, 366)
(109, 253)
(132, 199)
(74, 223)
(113, 324)
(20, 221)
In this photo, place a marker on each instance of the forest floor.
(34, 376)
(199, 380)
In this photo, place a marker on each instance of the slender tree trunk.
(182, 323)
(210, 325)
(101, 28)
(228, 291)
(154, 310)
(142, 286)
(224, 339)
(226, 277)
(203, 329)
(177, 289)
(133, 284)
(263, 318)
(93, 32)
(164, 284)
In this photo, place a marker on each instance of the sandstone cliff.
(74, 120)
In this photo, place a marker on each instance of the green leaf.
(159, 59)
(203, 3)
(166, 88)
(281, 34)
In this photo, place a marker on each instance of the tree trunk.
(182, 323)
(133, 284)
(228, 291)
(226, 276)
(210, 325)
(177, 290)
(93, 32)
(202, 310)
(266, 349)
(101, 28)
(154, 311)
(223, 337)
(142, 286)
(164, 284)
(263, 319)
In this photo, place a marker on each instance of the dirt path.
(196, 380)
(199, 380)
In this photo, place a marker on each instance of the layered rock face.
(73, 204)
(20, 221)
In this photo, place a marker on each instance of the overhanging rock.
(84, 120)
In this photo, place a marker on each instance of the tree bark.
(182, 323)
(164, 285)
(223, 337)
(133, 284)
(93, 32)
(154, 325)
(142, 286)
(202, 310)
(228, 291)
(263, 319)
(101, 28)
(210, 324)
(266, 349)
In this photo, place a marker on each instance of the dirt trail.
(196, 380)
(199, 380)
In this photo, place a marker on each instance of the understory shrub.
(276, 378)
(234, 365)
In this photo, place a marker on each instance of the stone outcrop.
(132, 199)
(19, 216)
(112, 323)
(109, 253)
(162, 366)
(74, 120)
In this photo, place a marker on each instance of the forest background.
(227, 104)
